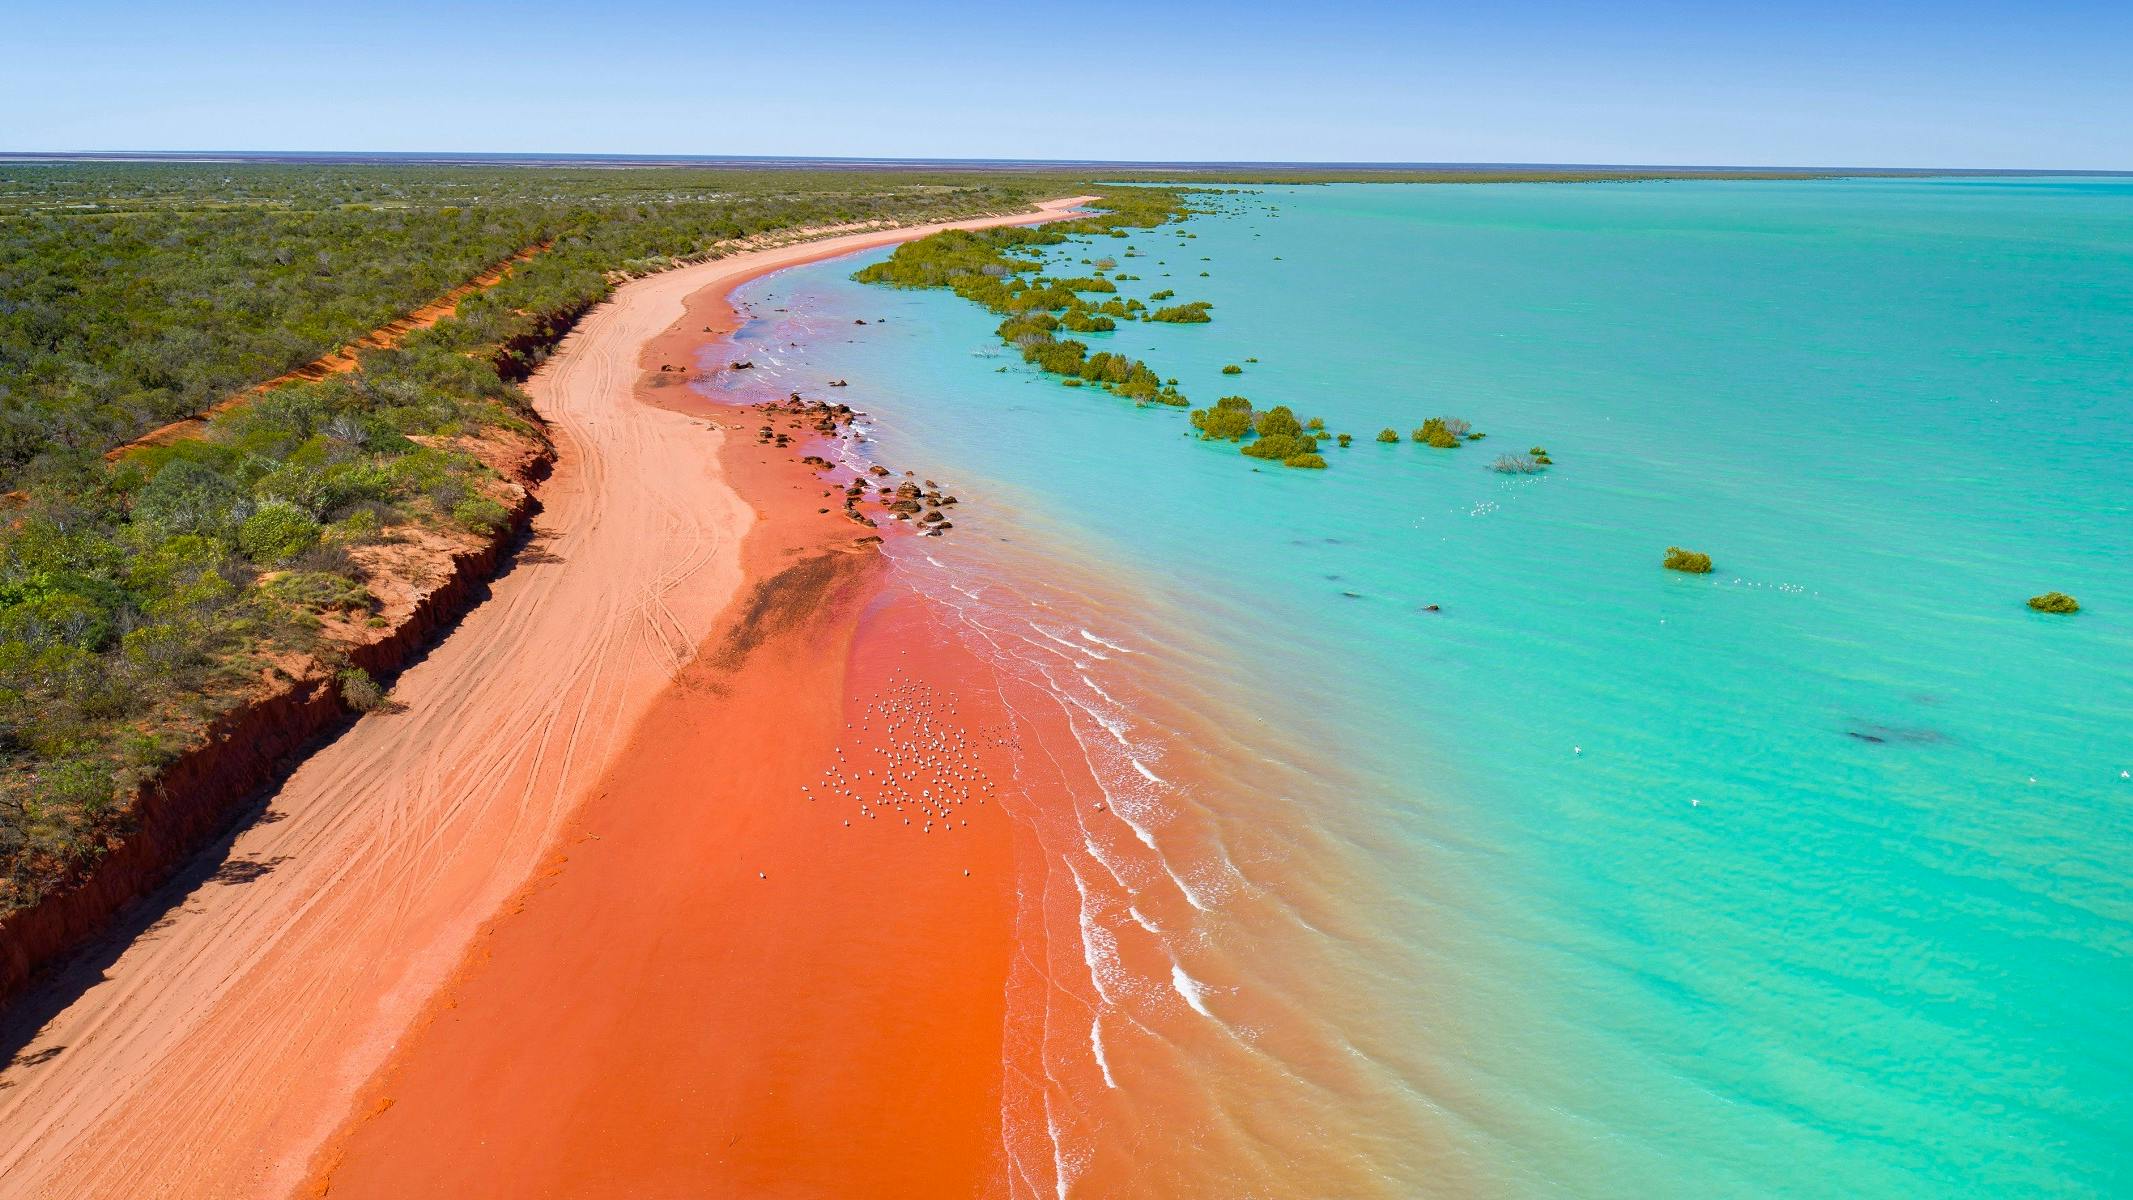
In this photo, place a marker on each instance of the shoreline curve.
(213, 1053)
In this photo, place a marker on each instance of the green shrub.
(359, 691)
(1442, 432)
(359, 527)
(481, 514)
(83, 785)
(46, 616)
(1230, 419)
(1281, 447)
(1194, 313)
(1277, 421)
(1691, 561)
(277, 532)
(318, 591)
(1233, 369)
(1304, 460)
(2054, 602)
(186, 497)
(1081, 321)
(1387, 435)
(1345, 439)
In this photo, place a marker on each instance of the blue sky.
(1977, 83)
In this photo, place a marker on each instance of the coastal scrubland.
(137, 294)
(144, 593)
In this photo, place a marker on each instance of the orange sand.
(761, 990)
(212, 1054)
(798, 994)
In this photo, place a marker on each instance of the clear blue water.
(1810, 877)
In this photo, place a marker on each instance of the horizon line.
(605, 158)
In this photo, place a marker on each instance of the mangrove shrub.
(1691, 561)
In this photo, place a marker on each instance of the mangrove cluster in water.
(1276, 433)
(992, 268)
(1001, 270)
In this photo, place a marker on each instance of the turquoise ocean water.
(1810, 877)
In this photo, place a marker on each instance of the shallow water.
(1811, 876)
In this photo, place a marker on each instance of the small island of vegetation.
(1691, 561)
(1194, 313)
(1445, 433)
(1277, 434)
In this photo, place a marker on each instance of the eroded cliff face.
(423, 583)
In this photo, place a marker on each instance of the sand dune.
(212, 1054)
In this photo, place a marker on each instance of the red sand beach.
(802, 966)
(709, 980)
(798, 993)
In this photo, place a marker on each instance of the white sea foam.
(1141, 920)
(1049, 636)
(1096, 1043)
(1108, 645)
(1192, 989)
(1099, 951)
(1112, 725)
(1146, 835)
(1147, 774)
(1060, 1176)
(1103, 859)
(1191, 894)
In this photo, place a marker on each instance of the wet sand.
(212, 1054)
